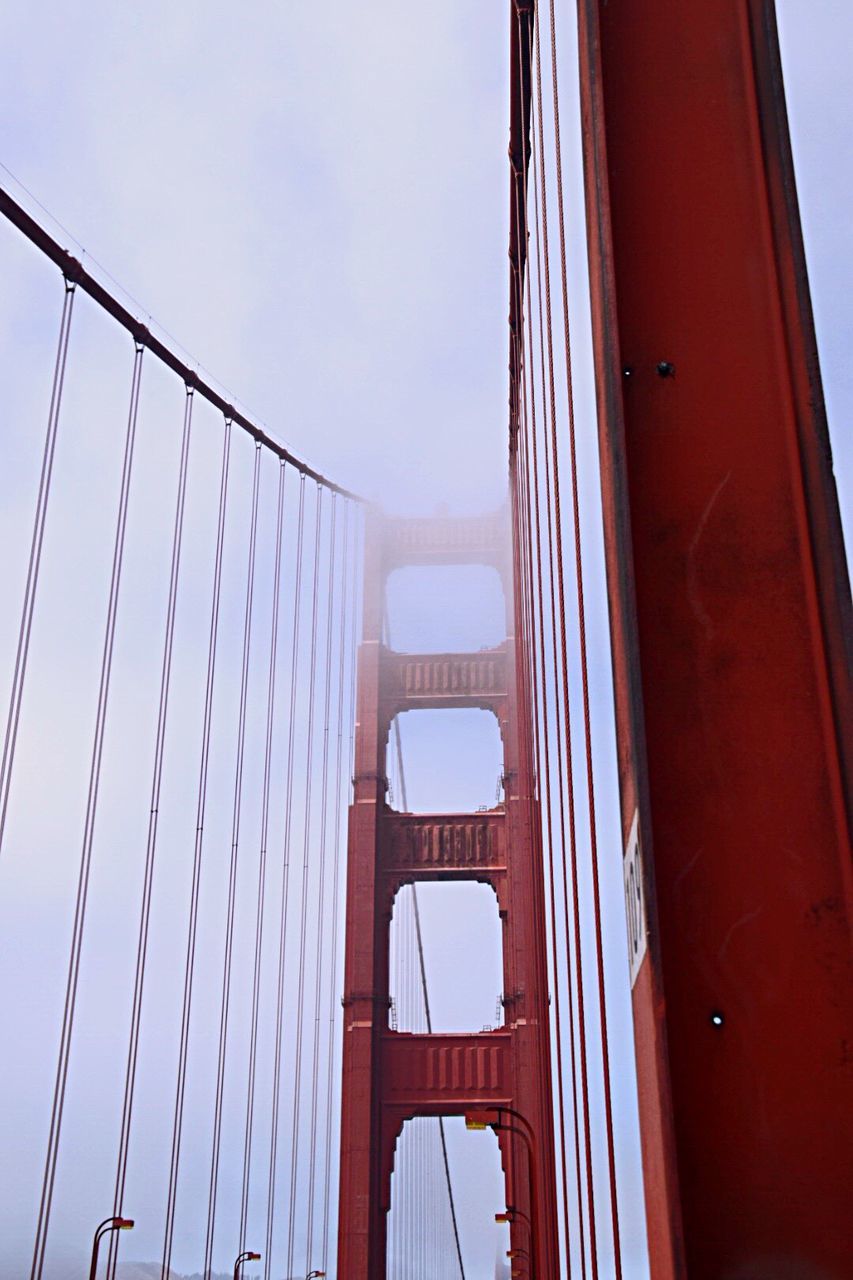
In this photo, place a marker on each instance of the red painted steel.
(730, 616)
(390, 1076)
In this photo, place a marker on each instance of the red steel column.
(388, 1076)
(730, 615)
(361, 1239)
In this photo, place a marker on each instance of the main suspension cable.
(190, 375)
(25, 629)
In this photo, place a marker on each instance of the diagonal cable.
(398, 747)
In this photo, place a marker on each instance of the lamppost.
(244, 1257)
(511, 1212)
(508, 1216)
(512, 1254)
(108, 1224)
(493, 1118)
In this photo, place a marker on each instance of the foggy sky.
(312, 199)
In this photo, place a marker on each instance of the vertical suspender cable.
(404, 802)
(321, 888)
(420, 1144)
(567, 726)
(541, 738)
(527, 712)
(442, 1136)
(546, 745)
(201, 803)
(262, 862)
(531, 740)
(151, 842)
(407, 1017)
(587, 719)
(89, 828)
(306, 848)
(413, 1022)
(512, 1144)
(22, 653)
(528, 426)
(343, 639)
(225, 1002)
(333, 962)
(398, 1189)
(556, 683)
(285, 887)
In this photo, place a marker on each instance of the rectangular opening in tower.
(460, 934)
(421, 1237)
(457, 608)
(452, 761)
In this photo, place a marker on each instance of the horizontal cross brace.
(409, 681)
(466, 540)
(446, 1074)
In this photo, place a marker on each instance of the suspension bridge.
(231, 1055)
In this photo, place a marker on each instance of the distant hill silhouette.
(151, 1271)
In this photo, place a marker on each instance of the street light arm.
(490, 1117)
(516, 1115)
(108, 1224)
(493, 1118)
(527, 1138)
(247, 1256)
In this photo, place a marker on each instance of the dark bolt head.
(665, 369)
(627, 370)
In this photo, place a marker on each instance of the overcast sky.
(312, 200)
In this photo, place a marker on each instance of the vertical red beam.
(528, 1012)
(361, 1233)
(730, 615)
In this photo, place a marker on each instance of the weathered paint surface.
(730, 612)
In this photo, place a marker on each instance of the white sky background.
(313, 199)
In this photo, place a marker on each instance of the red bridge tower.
(391, 1076)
